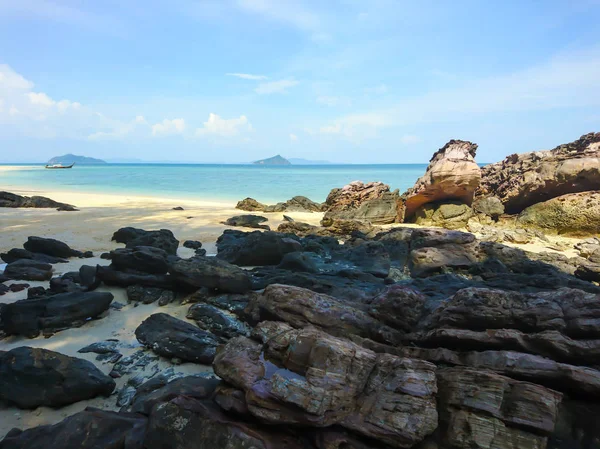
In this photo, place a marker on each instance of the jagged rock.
(147, 259)
(111, 276)
(171, 337)
(89, 429)
(216, 321)
(490, 206)
(574, 214)
(162, 239)
(28, 270)
(8, 199)
(211, 273)
(451, 215)
(452, 174)
(255, 248)
(18, 253)
(399, 307)
(101, 347)
(50, 247)
(372, 202)
(345, 228)
(303, 377)
(251, 205)
(247, 221)
(295, 204)
(148, 295)
(301, 307)
(139, 360)
(589, 272)
(421, 238)
(522, 180)
(192, 244)
(30, 377)
(30, 316)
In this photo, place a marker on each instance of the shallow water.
(209, 182)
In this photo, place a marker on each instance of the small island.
(68, 159)
(275, 160)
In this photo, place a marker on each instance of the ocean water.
(205, 182)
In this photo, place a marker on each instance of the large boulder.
(307, 377)
(212, 273)
(372, 202)
(30, 377)
(247, 221)
(217, 321)
(28, 270)
(174, 338)
(89, 429)
(52, 313)
(8, 199)
(452, 215)
(255, 248)
(452, 175)
(140, 258)
(574, 214)
(522, 180)
(132, 237)
(50, 247)
(15, 254)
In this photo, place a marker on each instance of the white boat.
(60, 166)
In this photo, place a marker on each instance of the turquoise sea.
(209, 182)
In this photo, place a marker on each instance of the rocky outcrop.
(219, 322)
(28, 270)
(571, 214)
(302, 377)
(295, 204)
(30, 377)
(140, 258)
(451, 215)
(148, 295)
(247, 221)
(452, 175)
(372, 202)
(522, 180)
(29, 317)
(174, 338)
(8, 199)
(162, 239)
(211, 273)
(255, 248)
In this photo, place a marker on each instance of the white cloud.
(138, 126)
(333, 101)
(40, 99)
(408, 139)
(9, 79)
(13, 111)
(217, 126)
(357, 127)
(293, 137)
(275, 87)
(377, 90)
(248, 76)
(168, 127)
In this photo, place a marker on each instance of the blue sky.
(378, 81)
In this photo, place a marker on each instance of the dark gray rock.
(132, 237)
(8, 199)
(50, 247)
(192, 244)
(30, 377)
(217, 321)
(255, 248)
(148, 295)
(247, 221)
(20, 253)
(211, 273)
(36, 292)
(28, 270)
(300, 261)
(101, 347)
(111, 276)
(146, 259)
(170, 337)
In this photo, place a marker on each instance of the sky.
(349, 81)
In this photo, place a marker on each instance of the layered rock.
(30, 377)
(295, 204)
(372, 202)
(255, 248)
(211, 273)
(522, 180)
(452, 175)
(574, 214)
(8, 199)
(451, 215)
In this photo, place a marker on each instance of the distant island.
(70, 158)
(275, 160)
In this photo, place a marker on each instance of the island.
(68, 159)
(275, 160)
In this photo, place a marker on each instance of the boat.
(60, 166)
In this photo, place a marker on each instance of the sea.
(208, 182)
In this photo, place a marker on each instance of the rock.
(28, 270)
(589, 272)
(148, 295)
(211, 273)
(452, 215)
(434, 259)
(8, 199)
(188, 423)
(490, 206)
(247, 221)
(250, 205)
(288, 219)
(89, 429)
(234, 303)
(372, 202)
(302, 377)
(342, 227)
(298, 261)
(68, 282)
(296, 204)
(216, 321)
(255, 248)
(162, 239)
(110, 276)
(30, 316)
(571, 214)
(171, 337)
(399, 307)
(577, 426)
(192, 244)
(452, 174)
(520, 236)
(36, 292)
(421, 238)
(178, 208)
(146, 259)
(301, 307)
(18, 253)
(17, 287)
(67, 208)
(522, 180)
(101, 347)
(50, 247)
(88, 277)
(31, 377)
(139, 360)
